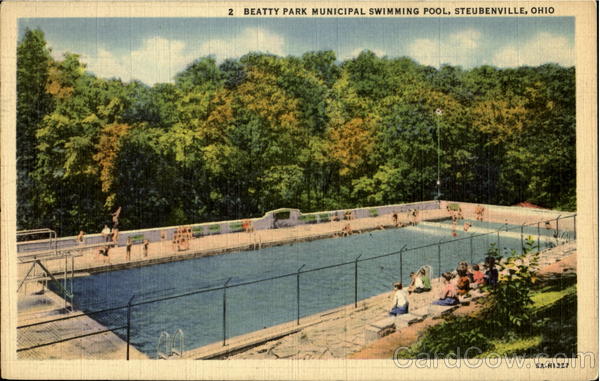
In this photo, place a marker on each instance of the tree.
(33, 103)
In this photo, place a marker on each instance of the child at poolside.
(399, 302)
(462, 283)
(478, 277)
(491, 274)
(448, 295)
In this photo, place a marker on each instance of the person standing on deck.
(106, 233)
(115, 217)
(146, 243)
(129, 244)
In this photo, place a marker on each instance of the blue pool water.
(255, 306)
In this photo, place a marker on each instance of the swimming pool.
(263, 304)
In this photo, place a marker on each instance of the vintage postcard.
(299, 190)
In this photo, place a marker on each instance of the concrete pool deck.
(163, 252)
(35, 307)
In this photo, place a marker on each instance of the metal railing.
(30, 339)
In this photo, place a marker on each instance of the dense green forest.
(244, 136)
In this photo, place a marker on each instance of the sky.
(155, 50)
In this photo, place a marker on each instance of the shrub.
(373, 212)
(235, 227)
(508, 302)
(197, 231)
(454, 207)
(308, 218)
(324, 217)
(214, 228)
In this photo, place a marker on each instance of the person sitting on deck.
(80, 236)
(448, 295)
(400, 301)
(420, 281)
(491, 274)
(462, 283)
(478, 277)
(425, 278)
(467, 226)
(347, 230)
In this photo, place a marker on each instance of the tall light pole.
(439, 112)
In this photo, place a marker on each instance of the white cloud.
(460, 48)
(354, 53)
(540, 49)
(425, 51)
(253, 39)
(158, 59)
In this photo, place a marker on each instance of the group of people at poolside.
(412, 216)
(456, 284)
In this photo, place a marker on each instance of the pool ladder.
(173, 346)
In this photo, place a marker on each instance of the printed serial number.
(551, 365)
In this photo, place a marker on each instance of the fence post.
(574, 226)
(539, 246)
(298, 294)
(401, 273)
(522, 245)
(471, 246)
(440, 258)
(225, 311)
(498, 241)
(129, 324)
(356, 281)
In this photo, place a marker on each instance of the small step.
(436, 310)
(388, 322)
(422, 312)
(371, 333)
(403, 321)
(380, 328)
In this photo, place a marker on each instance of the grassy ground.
(555, 315)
